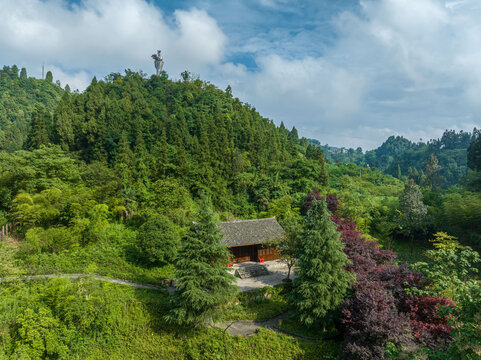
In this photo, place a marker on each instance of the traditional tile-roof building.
(246, 238)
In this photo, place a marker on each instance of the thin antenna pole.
(43, 71)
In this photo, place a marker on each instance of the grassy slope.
(134, 328)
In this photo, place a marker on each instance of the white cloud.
(407, 67)
(106, 36)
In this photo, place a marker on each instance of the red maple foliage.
(381, 309)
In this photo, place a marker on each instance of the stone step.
(251, 270)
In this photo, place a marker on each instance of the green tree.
(322, 279)
(39, 335)
(451, 267)
(323, 177)
(23, 73)
(289, 245)
(40, 129)
(49, 77)
(203, 284)
(412, 215)
(474, 155)
(158, 240)
(432, 172)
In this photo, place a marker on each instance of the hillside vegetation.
(129, 178)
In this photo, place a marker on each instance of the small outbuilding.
(247, 239)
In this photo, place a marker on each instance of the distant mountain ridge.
(400, 155)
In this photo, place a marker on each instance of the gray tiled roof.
(245, 232)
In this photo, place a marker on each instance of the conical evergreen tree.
(39, 131)
(203, 284)
(398, 172)
(322, 279)
(323, 176)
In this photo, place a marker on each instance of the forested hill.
(400, 157)
(20, 98)
(156, 144)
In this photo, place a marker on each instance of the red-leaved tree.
(381, 308)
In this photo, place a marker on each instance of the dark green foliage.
(159, 240)
(398, 155)
(474, 155)
(203, 284)
(20, 98)
(49, 77)
(23, 74)
(40, 129)
(322, 279)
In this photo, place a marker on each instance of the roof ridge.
(238, 220)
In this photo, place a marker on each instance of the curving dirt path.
(239, 327)
(77, 276)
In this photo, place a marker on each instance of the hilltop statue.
(158, 62)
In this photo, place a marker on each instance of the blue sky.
(346, 72)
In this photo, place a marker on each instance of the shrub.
(51, 240)
(430, 327)
(158, 240)
(371, 321)
(39, 335)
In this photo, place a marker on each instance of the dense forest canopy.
(20, 98)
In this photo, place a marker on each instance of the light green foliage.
(39, 335)
(113, 255)
(169, 196)
(159, 240)
(35, 171)
(412, 214)
(369, 199)
(466, 334)
(322, 280)
(101, 319)
(203, 284)
(289, 245)
(451, 267)
(461, 215)
(53, 239)
(8, 263)
(42, 209)
(282, 208)
(55, 207)
(261, 304)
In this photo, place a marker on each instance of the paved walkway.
(77, 276)
(278, 272)
(250, 327)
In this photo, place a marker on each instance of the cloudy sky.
(346, 72)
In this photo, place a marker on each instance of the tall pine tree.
(322, 279)
(203, 284)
